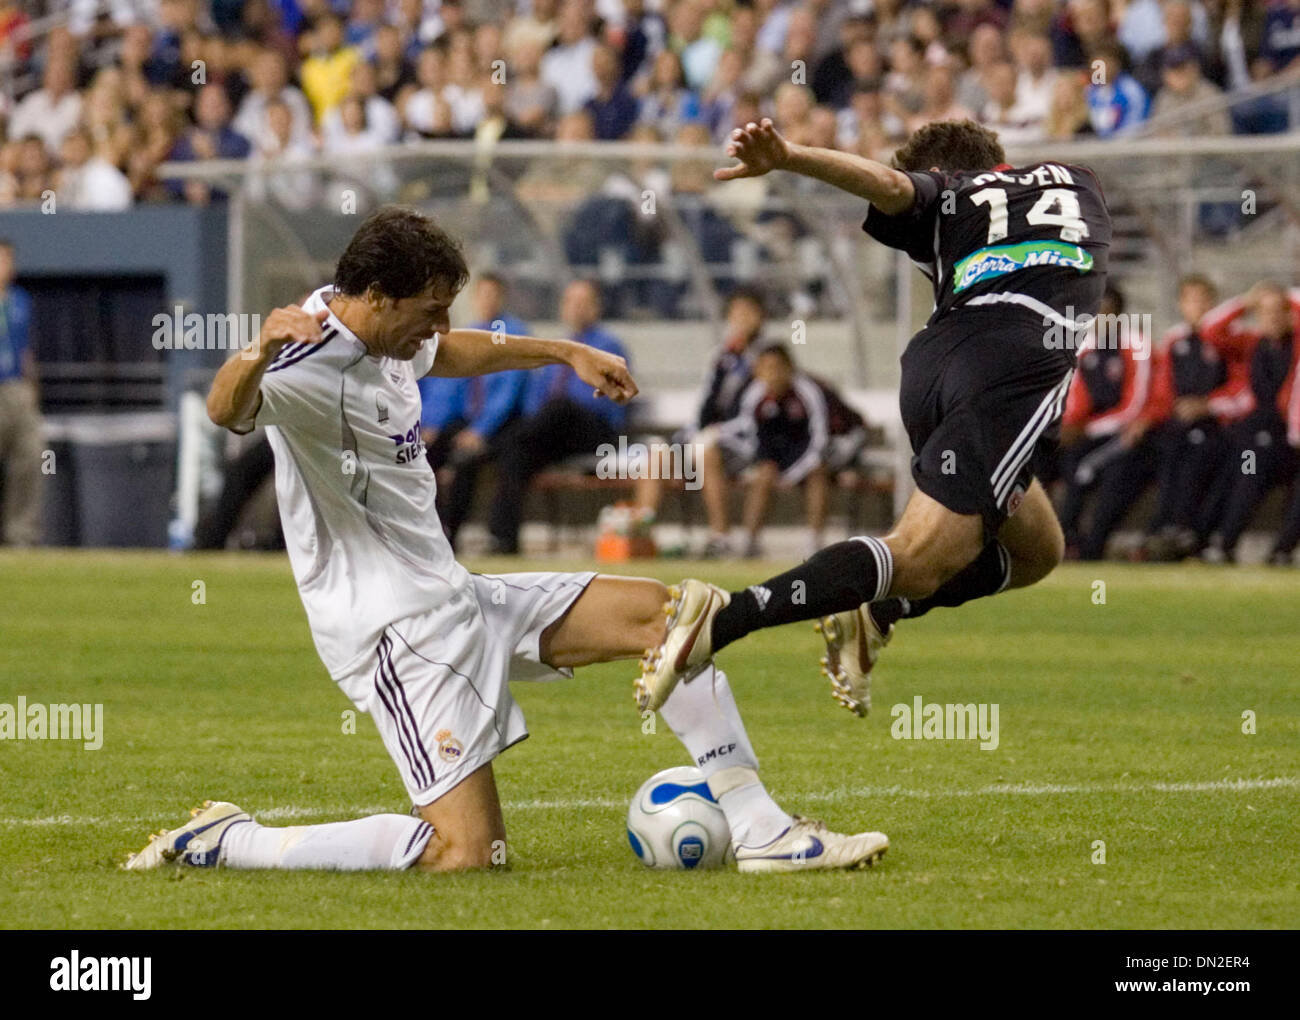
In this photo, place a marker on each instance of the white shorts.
(438, 684)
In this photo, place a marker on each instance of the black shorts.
(981, 399)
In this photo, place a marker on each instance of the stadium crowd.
(96, 100)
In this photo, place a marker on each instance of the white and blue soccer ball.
(674, 822)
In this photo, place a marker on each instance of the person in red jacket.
(1258, 400)
(1188, 440)
(1102, 434)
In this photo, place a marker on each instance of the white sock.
(704, 716)
(378, 842)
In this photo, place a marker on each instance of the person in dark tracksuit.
(1104, 449)
(1187, 370)
(1259, 398)
(462, 419)
(562, 417)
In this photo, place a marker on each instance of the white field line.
(281, 814)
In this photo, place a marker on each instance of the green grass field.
(1120, 722)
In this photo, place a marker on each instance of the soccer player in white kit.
(411, 636)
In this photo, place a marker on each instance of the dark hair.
(399, 252)
(751, 294)
(1114, 296)
(952, 146)
(780, 350)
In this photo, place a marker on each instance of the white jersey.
(356, 493)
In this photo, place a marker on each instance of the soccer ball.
(674, 822)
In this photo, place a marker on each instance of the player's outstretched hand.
(292, 325)
(759, 149)
(606, 372)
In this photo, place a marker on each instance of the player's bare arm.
(235, 393)
(463, 352)
(760, 149)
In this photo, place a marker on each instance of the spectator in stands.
(940, 100)
(1116, 102)
(1068, 116)
(393, 71)
(1002, 113)
(972, 15)
(28, 175)
(292, 189)
(21, 431)
(424, 108)
(539, 26)
(562, 418)
(644, 35)
(833, 79)
(363, 22)
(86, 182)
(987, 50)
(782, 425)
(905, 82)
(1141, 29)
(866, 127)
(464, 89)
(211, 137)
(1036, 78)
(383, 126)
(1183, 87)
(1264, 408)
(51, 111)
(718, 102)
(1102, 429)
(666, 102)
(531, 102)
(613, 108)
(326, 71)
(1177, 20)
(462, 418)
(1187, 371)
(270, 82)
(567, 66)
(698, 48)
(158, 126)
(1081, 28)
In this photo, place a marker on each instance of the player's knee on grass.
(463, 852)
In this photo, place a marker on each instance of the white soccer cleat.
(687, 646)
(809, 846)
(197, 843)
(853, 644)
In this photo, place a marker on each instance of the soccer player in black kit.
(1017, 258)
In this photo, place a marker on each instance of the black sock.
(987, 574)
(841, 576)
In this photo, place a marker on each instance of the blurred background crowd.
(98, 93)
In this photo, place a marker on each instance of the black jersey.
(1035, 237)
